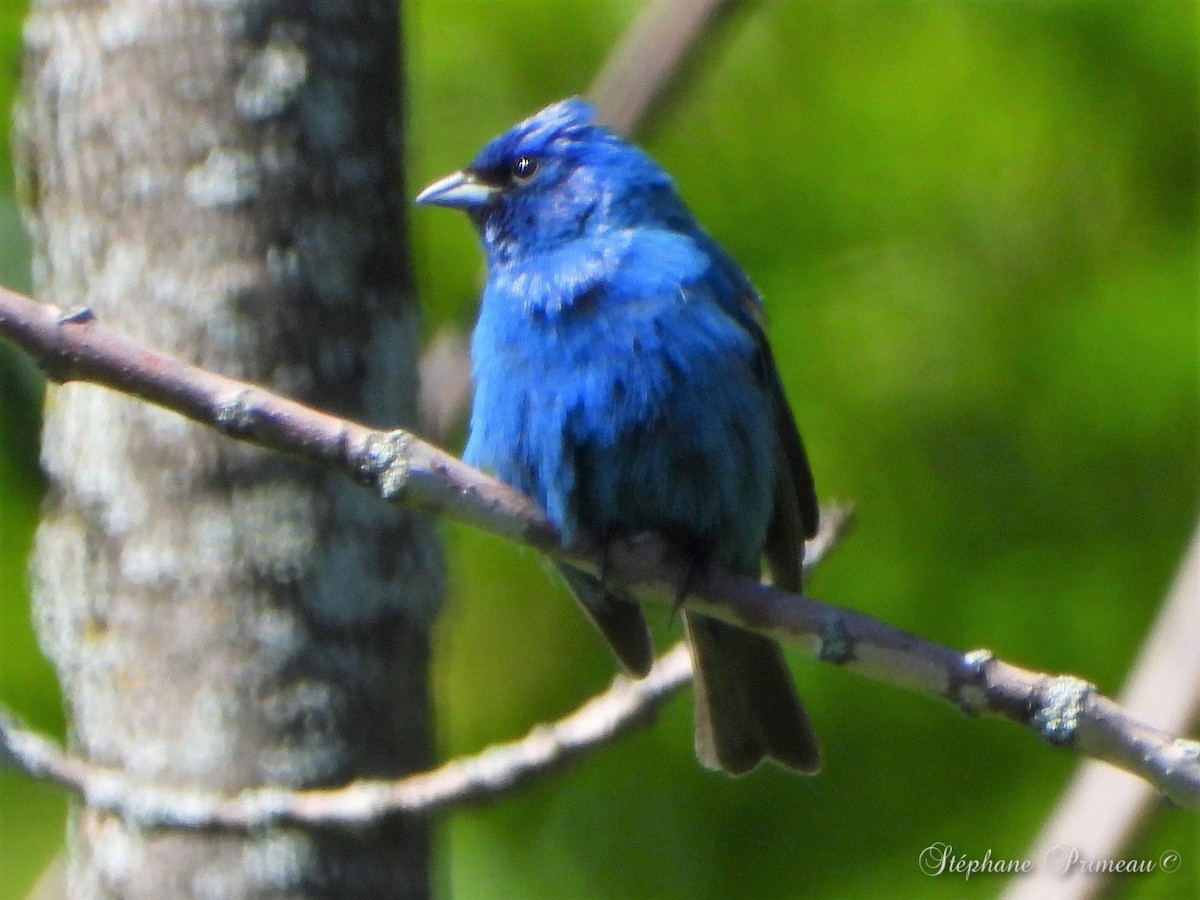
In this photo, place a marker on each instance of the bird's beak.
(460, 190)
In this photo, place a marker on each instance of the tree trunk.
(221, 181)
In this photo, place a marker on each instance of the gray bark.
(221, 181)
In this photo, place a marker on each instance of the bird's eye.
(524, 168)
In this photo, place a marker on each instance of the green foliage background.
(975, 225)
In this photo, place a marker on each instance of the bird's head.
(552, 178)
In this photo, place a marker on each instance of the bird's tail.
(618, 617)
(747, 709)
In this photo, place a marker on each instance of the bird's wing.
(795, 513)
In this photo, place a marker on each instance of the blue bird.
(623, 380)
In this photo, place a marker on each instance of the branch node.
(837, 646)
(387, 463)
(234, 415)
(1189, 751)
(976, 662)
(76, 315)
(970, 692)
(1060, 703)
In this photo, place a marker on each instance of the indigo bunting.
(622, 378)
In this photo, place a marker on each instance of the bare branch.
(1063, 710)
(625, 706)
(650, 56)
(444, 392)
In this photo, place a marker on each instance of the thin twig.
(1063, 710)
(625, 706)
(651, 55)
